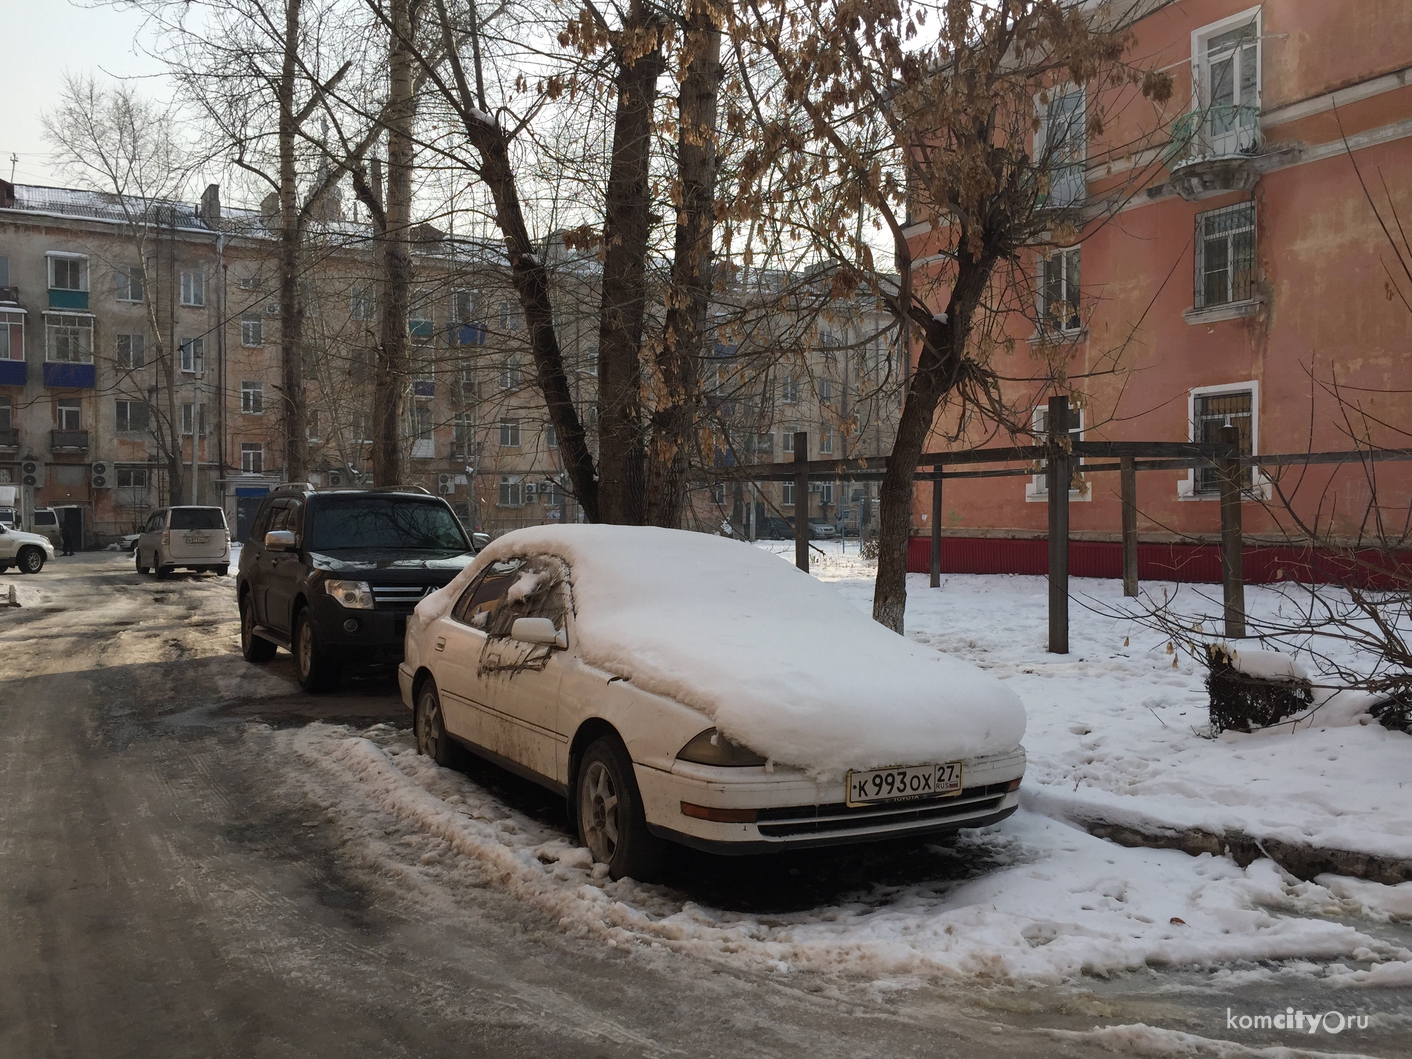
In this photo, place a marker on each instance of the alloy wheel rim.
(431, 726)
(306, 648)
(598, 806)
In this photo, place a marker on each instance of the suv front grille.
(400, 597)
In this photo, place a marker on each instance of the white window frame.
(252, 398)
(1043, 324)
(191, 352)
(789, 390)
(118, 416)
(788, 447)
(362, 302)
(252, 331)
(124, 358)
(510, 374)
(509, 429)
(9, 320)
(1077, 169)
(826, 493)
(825, 441)
(1260, 483)
(132, 473)
(786, 494)
(79, 321)
(193, 289)
(249, 449)
(1037, 488)
(511, 487)
(127, 276)
(63, 255)
(189, 412)
(1200, 83)
(68, 404)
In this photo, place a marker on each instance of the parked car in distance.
(676, 687)
(192, 538)
(27, 552)
(773, 528)
(46, 524)
(7, 517)
(822, 531)
(332, 575)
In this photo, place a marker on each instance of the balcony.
(1214, 151)
(12, 373)
(68, 299)
(68, 376)
(10, 439)
(68, 440)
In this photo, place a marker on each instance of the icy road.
(196, 859)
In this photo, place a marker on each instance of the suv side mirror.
(538, 630)
(281, 541)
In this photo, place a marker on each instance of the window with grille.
(131, 351)
(1225, 255)
(1059, 291)
(1210, 413)
(252, 457)
(131, 416)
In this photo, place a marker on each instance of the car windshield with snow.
(681, 687)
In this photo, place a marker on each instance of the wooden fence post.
(1058, 489)
(1128, 473)
(1232, 567)
(801, 500)
(936, 527)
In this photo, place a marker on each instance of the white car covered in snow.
(684, 687)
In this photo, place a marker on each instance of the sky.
(41, 42)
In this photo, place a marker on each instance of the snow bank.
(1263, 665)
(775, 658)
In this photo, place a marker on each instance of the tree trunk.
(627, 224)
(683, 343)
(291, 313)
(396, 245)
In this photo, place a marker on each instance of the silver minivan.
(196, 538)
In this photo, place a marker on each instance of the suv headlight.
(712, 748)
(355, 595)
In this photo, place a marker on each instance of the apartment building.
(1237, 269)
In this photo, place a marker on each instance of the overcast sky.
(41, 40)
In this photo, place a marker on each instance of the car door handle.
(441, 643)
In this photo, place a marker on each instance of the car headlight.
(355, 595)
(712, 748)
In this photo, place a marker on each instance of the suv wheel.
(254, 648)
(317, 670)
(609, 813)
(31, 560)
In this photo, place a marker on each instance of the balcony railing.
(1214, 132)
(10, 439)
(69, 439)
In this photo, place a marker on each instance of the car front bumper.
(792, 810)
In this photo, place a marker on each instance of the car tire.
(30, 560)
(253, 648)
(609, 815)
(221, 571)
(138, 555)
(4, 567)
(429, 727)
(316, 669)
(162, 572)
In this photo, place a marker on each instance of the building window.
(509, 433)
(825, 391)
(68, 413)
(789, 390)
(422, 426)
(252, 399)
(463, 306)
(510, 375)
(132, 351)
(1210, 412)
(788, 445)
(252, 330)
(826, 492)
(786, 494)
(1061, 147)
(509, 317)
(68, 272)
(1039, 484)
(130, 288)
(763, 444)
(462, 434)
(252, 457)
(362, 304)
(419, 319)
(551, 437)
(1059, 291)
(1228, 93)
(7, 412)
(12, 336)
(70, 338)
(551, 494)
(510, 491)
(718, 494)
(1225, 255)
(131, 416)
(193, 354)
(825, 441)
(132, 477)
(193, 289)
(191, 414)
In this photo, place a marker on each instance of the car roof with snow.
(778, 660)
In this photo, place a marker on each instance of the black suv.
(332, 575)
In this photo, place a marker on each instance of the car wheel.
(141, 569)
(317, 670)
(611, 822)
(31, 560)
(254, 648)
(162, 572)
(221, 571)
(4, 567)
(430, 728)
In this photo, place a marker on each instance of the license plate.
(903, 781)
(191, 538)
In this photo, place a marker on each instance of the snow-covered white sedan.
(685, 687)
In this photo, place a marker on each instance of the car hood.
(393, 563)
(779, 661)
(29, 538)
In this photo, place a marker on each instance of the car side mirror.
(538, 630)
(281, 541)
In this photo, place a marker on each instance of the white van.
(196, 538)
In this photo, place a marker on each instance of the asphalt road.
(165, 892)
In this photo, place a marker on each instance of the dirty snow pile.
(777, 660)
(1054, 903)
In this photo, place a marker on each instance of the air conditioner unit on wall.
(445, 484)
(102, 475)
(32, 473)
(530, 488)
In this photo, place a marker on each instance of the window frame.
(193, 289)
(510, 428)
(1200, 267)
(249, 449)
(51, 256)
(63, 405)
(511, 487)
(1074, 173)
(1071, 298)
(1259, 486)
(134, 358)
(252, 397)
(129, 276)
(1037, 488)
(79, 322)
(122, 416)
(252, 331)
